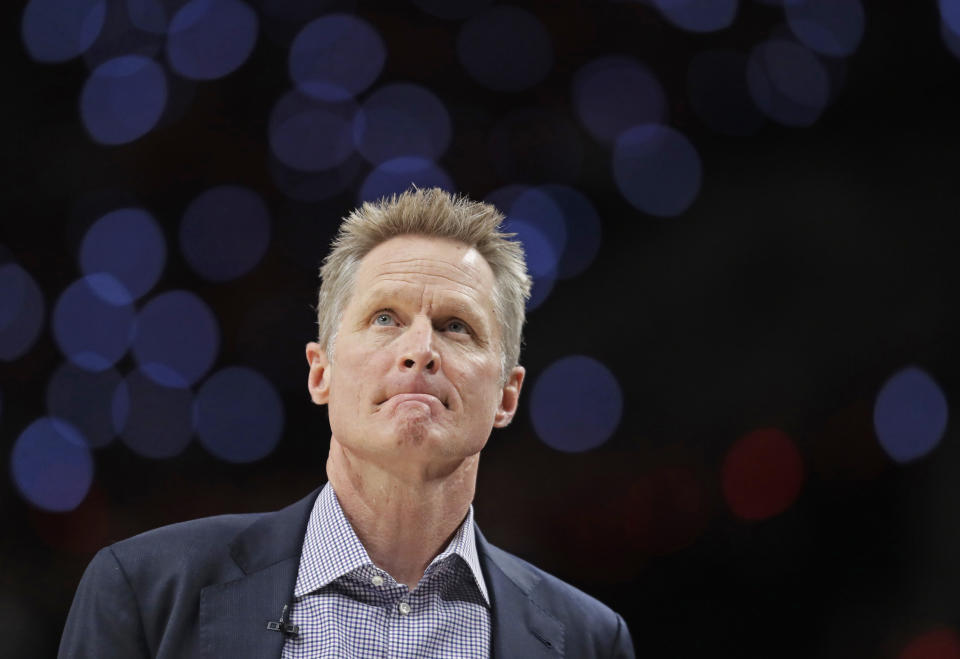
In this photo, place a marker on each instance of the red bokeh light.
(762, 474)
(940, 643)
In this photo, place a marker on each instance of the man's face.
(415, 382)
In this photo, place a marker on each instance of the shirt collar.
(331, 548)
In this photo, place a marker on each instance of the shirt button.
(377, 580)
(404, 608)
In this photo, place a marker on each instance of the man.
(420, 311)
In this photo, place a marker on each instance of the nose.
(417, 351)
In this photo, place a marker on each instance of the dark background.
(815, 263)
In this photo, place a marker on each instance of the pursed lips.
(414, 395)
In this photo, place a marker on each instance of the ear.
(318, 380)
(509, 397)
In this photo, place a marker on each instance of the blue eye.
(383, 319)
(457, 326)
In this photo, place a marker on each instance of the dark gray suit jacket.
(207, 588)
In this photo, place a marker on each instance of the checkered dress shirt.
(348, 608)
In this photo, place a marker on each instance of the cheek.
(349, 374)
(482, 395)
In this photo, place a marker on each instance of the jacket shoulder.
(183, 544)
(202, 531)
(139, 597)
(593, 628)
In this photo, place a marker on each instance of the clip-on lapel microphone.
(283, 625)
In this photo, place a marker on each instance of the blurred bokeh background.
(741, 350)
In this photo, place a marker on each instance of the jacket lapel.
(521, 626)
(234, 615)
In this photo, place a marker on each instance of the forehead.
(440, 263)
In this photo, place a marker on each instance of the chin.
(426, 442)
(413, 432)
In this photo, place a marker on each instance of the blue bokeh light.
(540, 252)
(910, 415)
(699, 15)
(576, 404)
(397, 175)
(540, 290)
(225, 232)
(829, 27)
(84, 399)
(541, 260)
(176, 338)
(788, 82)
(128, 245)
(154, 421)
(22, 311)
(539, 217)
(238, 415)
(59, 30)
(310, 135)
(12, 283)
(452, 9)
(123, 99)
(209, 39)
(503, 197)
(93, 322)
(535, 207)
(399, 120)
(51, 465)
(834, 67)
(505, 48)
(583, 228)
(950, 14)
(657, 169)
(336, 57)
(611, 94)
(950, 39)
(718, 93)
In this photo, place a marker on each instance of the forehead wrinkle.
(429, 267)
(431, 280)
(424, 293)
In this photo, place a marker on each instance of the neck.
(404, 519)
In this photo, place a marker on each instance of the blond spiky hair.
(427, 212)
